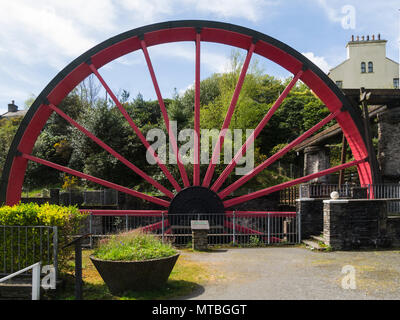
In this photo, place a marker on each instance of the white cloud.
(251, 10)
(149, 10)
(319, 61)
(213, 61)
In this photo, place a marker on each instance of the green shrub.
(25, 246)
(133, 246)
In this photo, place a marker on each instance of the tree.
(8, 128)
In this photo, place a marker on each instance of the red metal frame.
(264, 192)
(97, 180)
(228, 117)
(197, 31)
(172, 138)
(113, 152)
(255, 133)
(136, 129)
(196, 165)
(276, 156)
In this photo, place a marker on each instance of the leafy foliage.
(68, 220)
(133, 246)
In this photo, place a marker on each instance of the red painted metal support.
(261, 214)
(255, 133)
(266, 191)
(196, 165)
(136, 129)
(147, 213)
(97, 180)
(246, 231)
(228, 117)
(172, 138)
(276, 156)
(155, 226)
(113, 152)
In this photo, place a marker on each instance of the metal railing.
(21, 246)
(35, 278)
(386, 191)
(373, 191)
(236, 227)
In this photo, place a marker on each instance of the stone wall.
(311, 216)
(388, 144)
(352, 224)
(316, 159)
(393, 230)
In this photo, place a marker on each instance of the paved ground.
(298, 273)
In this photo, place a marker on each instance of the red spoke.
(266, 191)
(155, 226)
(255, 133)
(260, 214)
(97, 180)
(113, 152)
(228, 117)
(276, 156)
(150, 213)
(196, 166)
(172, 138)
(136, 129)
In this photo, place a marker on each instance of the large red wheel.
(199, 191)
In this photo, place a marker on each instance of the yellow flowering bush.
(68, 220)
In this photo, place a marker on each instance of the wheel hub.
(196, 199)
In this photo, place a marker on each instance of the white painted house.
(366, 66)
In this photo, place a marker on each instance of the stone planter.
(121, 276)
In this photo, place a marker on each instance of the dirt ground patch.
(298, 273)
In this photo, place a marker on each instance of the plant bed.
(134, 261)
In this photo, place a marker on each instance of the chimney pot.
(379, 36)
(373, 37)
(352, 37)
(362, 38)
(358, 38)
(12, 107)
(368, 38)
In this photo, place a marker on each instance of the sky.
(39, 38)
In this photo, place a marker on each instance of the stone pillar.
(388, 144)
(355, 223)
(200, 230)
(310, 212)
(316, 158)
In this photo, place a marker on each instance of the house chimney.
(12, 107)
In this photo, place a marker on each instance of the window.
(396, 83)
(362, 67)
(339, 83)
(370, 67)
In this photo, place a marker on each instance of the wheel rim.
(198, 31)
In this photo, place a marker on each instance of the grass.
(186, 277)
(133, 246)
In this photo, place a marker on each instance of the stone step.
(313, 245)
(318, 238)
(15, 291)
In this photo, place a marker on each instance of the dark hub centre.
(196, 199)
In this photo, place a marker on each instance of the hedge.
(20, 247)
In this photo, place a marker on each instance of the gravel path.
(298, 273)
